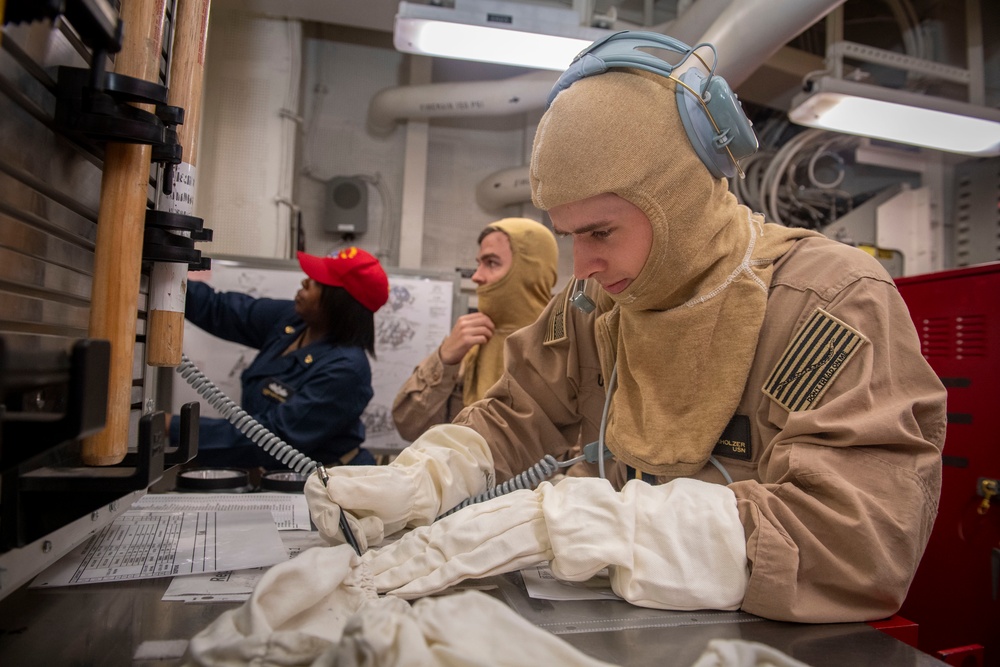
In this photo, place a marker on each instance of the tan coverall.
(431, 395)
(837, 501)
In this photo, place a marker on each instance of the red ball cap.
(354, 270)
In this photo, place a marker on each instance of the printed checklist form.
(146, 545)
(290, 510)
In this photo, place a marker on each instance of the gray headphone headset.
(715, 123)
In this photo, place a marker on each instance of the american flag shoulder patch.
(810, 363)
(556, 328)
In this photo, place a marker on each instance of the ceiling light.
(509, 33)
(895, 115)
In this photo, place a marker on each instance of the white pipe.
(450, 100)
(503, 188)
(691, 23)
(416, 136)
(748, 32)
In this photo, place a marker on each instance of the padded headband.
(720, 131)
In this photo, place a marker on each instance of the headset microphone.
(579, 298)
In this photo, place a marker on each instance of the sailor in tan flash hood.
(776, 432)
(518, 263)
(513, 301)
(684, 332)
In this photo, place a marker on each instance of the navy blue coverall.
(312, 398)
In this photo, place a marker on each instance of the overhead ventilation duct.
(451, 100)
(748, 32)
(691, 23)
(504, 188)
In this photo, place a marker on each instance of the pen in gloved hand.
(345, 527)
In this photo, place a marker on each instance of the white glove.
(439, 470)
(676, 546)
(326, 516)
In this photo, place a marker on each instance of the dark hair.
(489, 230)
(346, 321)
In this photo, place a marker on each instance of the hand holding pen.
(345, 527)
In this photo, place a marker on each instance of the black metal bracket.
(102, 110)
(107, 482)
(39, 501)
(187, 447)
(162, 243)
(97, 106)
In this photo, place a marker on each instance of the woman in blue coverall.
(311, 380)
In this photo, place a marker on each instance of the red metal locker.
(954, 597)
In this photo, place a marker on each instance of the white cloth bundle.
(320, 609)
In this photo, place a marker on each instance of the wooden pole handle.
(187, 70)
(168, 284)
(118, 251)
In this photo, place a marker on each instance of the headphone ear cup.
(728, 113)
(720, 149)
(699, 128)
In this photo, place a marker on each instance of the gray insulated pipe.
(451, 100)
(503, 188)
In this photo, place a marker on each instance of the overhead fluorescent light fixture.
(509, 33)
(895, 115)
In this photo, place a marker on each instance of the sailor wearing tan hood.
(517, 268)
(776, 432)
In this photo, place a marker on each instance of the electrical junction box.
(346, 206)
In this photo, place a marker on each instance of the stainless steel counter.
(105, 624)
(95, 624)
(617, 632)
